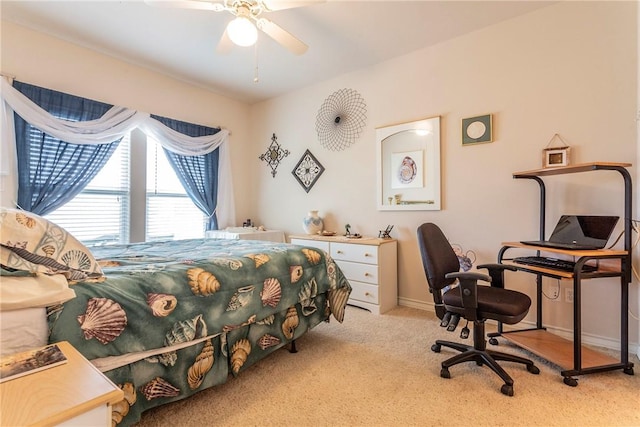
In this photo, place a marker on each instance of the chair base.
(469, 353)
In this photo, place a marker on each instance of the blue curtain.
(51, 172)
(198, 174)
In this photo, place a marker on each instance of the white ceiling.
(342, 36)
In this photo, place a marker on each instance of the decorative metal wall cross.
(274, 155)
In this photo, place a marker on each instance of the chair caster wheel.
(533, 369)
(570, 381)
(435, 348)
(493, 341)
(628, 371)
(444, 373)
(507, 389)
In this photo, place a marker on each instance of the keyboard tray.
(552, 263)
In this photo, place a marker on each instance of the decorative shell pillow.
(31, 243)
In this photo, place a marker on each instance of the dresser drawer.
(367, 273)
(354, 252)
(364, 292)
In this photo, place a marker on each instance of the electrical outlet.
(568, 295)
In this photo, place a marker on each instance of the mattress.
(23, 301)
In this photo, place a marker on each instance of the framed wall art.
(476, 130)
(409, 166)
(307, 171)
(556, 153)
(555, 157)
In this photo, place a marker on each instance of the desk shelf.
(611, 266)
(556, 349)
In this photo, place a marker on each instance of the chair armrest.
(496, 271)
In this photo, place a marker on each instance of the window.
(170, 212)
(100, 213)
(103, 211)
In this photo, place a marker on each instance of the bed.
(164, 320)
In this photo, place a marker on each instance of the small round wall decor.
(341, 119)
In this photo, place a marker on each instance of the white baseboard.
(420, 305)
(589, 339)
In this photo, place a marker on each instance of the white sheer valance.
(114, 124)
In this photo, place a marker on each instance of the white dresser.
(246, 233)
(370, 264)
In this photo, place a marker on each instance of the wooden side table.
(73, 394)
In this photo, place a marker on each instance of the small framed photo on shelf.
(555, 157)
(476, 130)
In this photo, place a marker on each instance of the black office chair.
(472, 302)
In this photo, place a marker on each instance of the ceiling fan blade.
(187, 4)
(225, 44)
(271, 5)
(282, 36)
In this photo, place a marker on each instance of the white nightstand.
(247, 233)
(370, 264)
(73, 394)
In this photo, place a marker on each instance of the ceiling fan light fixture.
(242, 31)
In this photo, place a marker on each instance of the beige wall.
(570, 69)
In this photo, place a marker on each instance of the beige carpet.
(379, 371)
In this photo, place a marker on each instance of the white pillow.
(17, 292)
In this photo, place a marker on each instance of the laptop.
(580, 232)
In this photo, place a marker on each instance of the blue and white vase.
(312, 223)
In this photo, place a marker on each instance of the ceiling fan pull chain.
(256, 79)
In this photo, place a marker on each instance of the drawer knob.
(340, 252)
(367, 254)
(367, 294)
(367, 275)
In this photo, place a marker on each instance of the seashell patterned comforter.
(184, 315)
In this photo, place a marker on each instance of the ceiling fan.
(242, 30)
